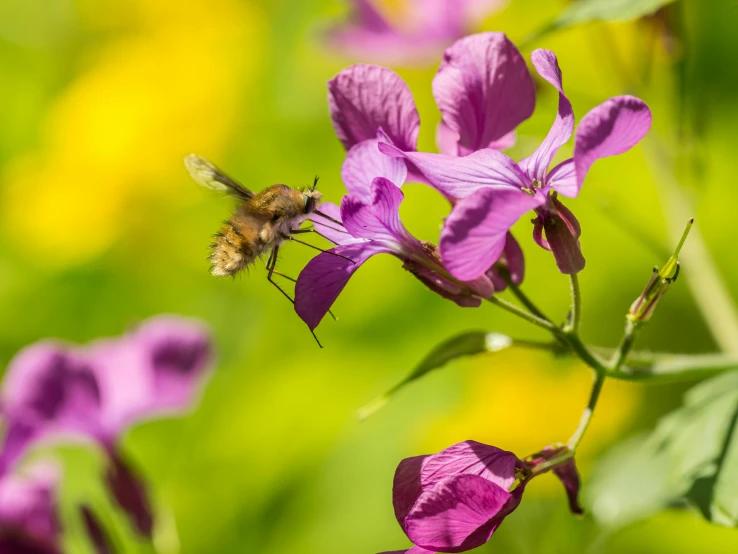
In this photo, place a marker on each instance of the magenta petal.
(474, 235)
(537, 164)
(48, 387)
(407, 486)
(454, 515)
(380, 219)
(611, 128)
(569, 477)
(364, 98)
(513, 260)
(473, 458)
(459, 177)
(28, 510)
(332, 231)
(563, 243)
(324, 277)
(364, 162)
(158, 369)
(483, 89)
(563, 179)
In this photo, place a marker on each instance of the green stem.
(586, 418)
(676, 368)
(535, 320)
(626, 345)
(576, 303)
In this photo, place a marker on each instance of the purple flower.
(55, 392)
(483, 90)
(29, 521)
(427, 27)
(495, 192)
(455, 500)
(371, 225)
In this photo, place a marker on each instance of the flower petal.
(332, 231)
(364, 98)
(611, 128)
(49, 387)
(407, 486)
(28, 509)
(475, 232)
(156, 370)
(484, 90)
(563, 179)
(364, 163)
(380, 219)
(472, 458)
(512, 260)
(459, 177)
(456, 514)
(324, 277)
(536, 165)
(562, 234)
(569, 477)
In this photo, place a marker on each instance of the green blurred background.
(100, 227)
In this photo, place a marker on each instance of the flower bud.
(642, 309)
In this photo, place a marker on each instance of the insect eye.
(309, 204)
(275, 217)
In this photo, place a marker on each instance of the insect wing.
(206, 174)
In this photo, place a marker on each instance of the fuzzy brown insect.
(260, 224)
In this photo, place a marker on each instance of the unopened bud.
(642, 309)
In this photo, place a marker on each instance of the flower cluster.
(484, 91)
(54, 392)
(454, 501)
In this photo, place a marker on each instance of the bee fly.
(260, 224)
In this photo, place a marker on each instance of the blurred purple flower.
(455, 500)
(495, 191)
(57, 392)
(29, 522)
(427, 27)
(371, 225)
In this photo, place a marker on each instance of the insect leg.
(271, 263)
(275, 272)
(293, 239)
(329, 218)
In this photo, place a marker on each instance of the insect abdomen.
(234, 249)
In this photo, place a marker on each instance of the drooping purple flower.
(29, 522)
(96, 393)
(427, 27)
(495, 192)
(455, 500)
(371, 225)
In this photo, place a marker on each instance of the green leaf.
(584, 11)
(692, 456)
(466, 344)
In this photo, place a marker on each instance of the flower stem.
(576, 303)
(626, 344)
(534, 319)
(586, 418)
(520, 295)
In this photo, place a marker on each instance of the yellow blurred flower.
(171, 84)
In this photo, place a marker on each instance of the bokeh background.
(100, 227)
